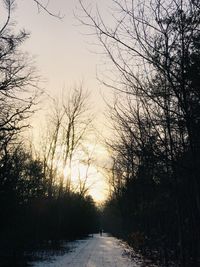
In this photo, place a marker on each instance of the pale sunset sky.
(66, 55)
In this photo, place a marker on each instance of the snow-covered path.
(105, 251)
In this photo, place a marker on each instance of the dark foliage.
(28, 217)
(155, 203)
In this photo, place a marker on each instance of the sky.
(61, 47)
(65, 55)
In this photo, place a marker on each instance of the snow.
(97, 251)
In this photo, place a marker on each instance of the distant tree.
(22, 175)
(50, 145)
(76, 125)
(70, 124)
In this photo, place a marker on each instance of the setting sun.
(86, 174)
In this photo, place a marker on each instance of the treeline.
(29, 217)
(155, 177)
(38, 203)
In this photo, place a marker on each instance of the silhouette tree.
(154, 49)
(70, 124)
(34, 207)
(17, 76)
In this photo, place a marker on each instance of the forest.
(154, 176)
(155, 148)
(37, 204)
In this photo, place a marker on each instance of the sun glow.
(84, 173)
(66, 172)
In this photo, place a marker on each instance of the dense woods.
(155, 177)
(37, 205)
(29, 217)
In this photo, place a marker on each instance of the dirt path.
(98, 251)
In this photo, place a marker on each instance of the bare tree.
(154, 47)
(68, 127)
(44, 6)
(87, 160)
(18, 80)
(75, 126)
(50, 146)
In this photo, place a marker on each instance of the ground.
(96, 251)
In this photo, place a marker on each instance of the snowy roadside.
(96, 251)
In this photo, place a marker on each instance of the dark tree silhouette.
(34, 210)
(154, 48)
(17, 76)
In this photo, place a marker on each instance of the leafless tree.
(87, 160)
(68, 127)
(44, 6)
(50, 145)
(154, 48)
(18, 80)
(77, 119)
